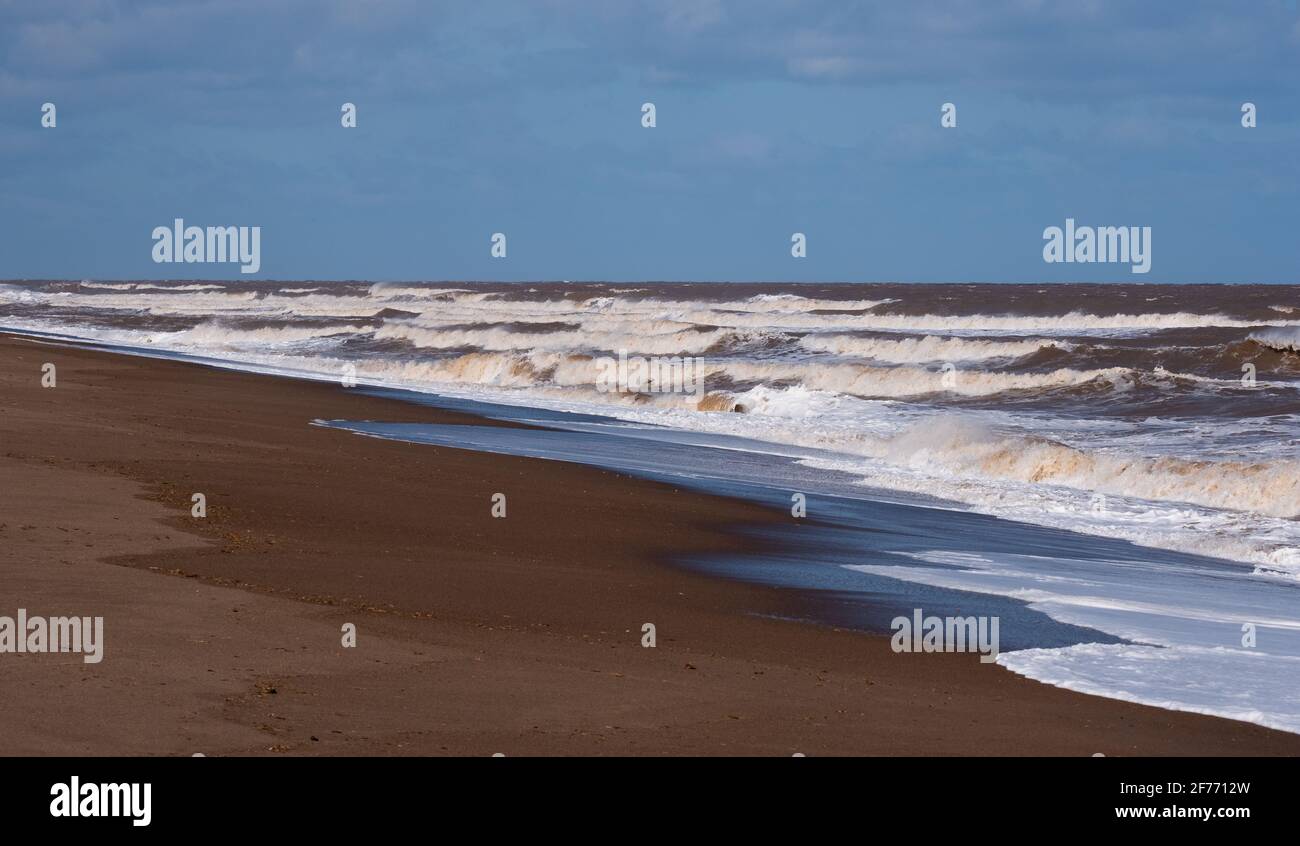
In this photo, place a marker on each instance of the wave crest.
(967, 448)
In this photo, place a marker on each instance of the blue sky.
(774, 117)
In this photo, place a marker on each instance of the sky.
(772, 117)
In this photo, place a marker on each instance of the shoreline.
(475, 635)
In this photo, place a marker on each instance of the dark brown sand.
(475, 635)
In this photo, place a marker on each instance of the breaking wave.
(922, 349)
(1282, 339)
(967, 448)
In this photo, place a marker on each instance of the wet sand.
(475, 634)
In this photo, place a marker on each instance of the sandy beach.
(475, 635)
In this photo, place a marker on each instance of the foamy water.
(1186, 626)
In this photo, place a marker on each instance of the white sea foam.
(1283, 339)
(1185, 623)
(926, 348)
(962, 447)
(668, 340)
(210, 336)
(797, 303)
(904, 381)
(20, 294)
